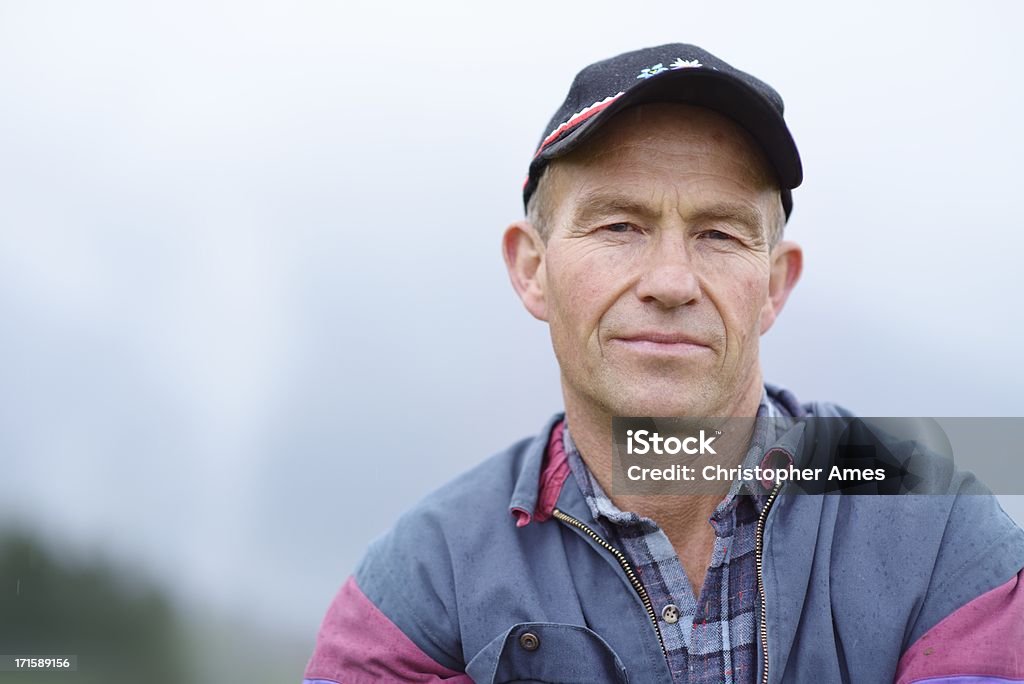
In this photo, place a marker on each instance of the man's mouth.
(661, 342)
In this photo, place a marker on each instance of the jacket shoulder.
(411, 572)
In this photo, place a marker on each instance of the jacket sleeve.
(395, 619)
(970, 627)
(359, 644)
(982, 642)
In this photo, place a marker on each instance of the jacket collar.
(531, 476)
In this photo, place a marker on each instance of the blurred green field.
(123, 628)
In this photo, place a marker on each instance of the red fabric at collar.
(554, 471)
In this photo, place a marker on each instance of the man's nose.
(669, 277)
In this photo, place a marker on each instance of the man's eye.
(715, 235)
(619, 227)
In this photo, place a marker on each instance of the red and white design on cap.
(576, 118)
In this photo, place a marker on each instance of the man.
(653, 249)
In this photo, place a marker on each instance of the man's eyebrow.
(603, 204)
(750, 218)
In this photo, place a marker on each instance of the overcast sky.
(252, 303)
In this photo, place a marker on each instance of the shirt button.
(529, 641)
(670, 614)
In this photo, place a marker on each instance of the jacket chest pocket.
(549, 653)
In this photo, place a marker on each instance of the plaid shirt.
(713, 640)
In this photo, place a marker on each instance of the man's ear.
(523, 250)
(787, 264)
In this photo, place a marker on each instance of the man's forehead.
(660, 141)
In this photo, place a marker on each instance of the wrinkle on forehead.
(645, 126)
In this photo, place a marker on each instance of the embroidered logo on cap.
(652, 70)
(681, 63)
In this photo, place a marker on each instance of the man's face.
(656, 270)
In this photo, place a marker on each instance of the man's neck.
(680, 516)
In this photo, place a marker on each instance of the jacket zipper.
(630, 573)
(759, 558)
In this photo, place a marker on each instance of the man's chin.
(673, 403)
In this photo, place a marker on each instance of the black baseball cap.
(670, 73)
